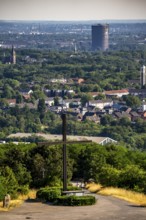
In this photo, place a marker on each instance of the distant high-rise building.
(143, 76)
(100, 37)
(13, 56)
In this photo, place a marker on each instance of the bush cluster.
(49, 193)
(75, 200)
(53, 194)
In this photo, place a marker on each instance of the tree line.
(26, 166)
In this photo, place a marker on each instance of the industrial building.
(100, 37)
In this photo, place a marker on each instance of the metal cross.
(64, 142)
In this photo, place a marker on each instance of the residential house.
(11, 102)
(75, 113)
(100, 104)
(83, 110)
(143, 115)
(101, 113)
(144, 106)
(78, 80)
(57, 109)
(73, 103)
(49, 101)
(120, 115)
(138, 92)
(58, 92)
(26, 93)
(134, 115)
(62, 80)
(69, 92)
(119, 105)
(116, 93)
(91, 116)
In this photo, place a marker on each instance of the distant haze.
(72, 9)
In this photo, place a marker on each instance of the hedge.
(75, 200)
(50, 193)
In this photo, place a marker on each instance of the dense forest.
(102, 70)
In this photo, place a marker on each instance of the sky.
(72, 9)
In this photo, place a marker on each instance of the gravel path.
(106, 208)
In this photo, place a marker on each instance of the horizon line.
(132, 19)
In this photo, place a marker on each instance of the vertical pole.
(64, 152)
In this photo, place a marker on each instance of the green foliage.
(106, 120)
(133, 177)
(24, 190)
(53, 194)
(109, 176)
(90, 161)
(36, 166)
(41, 106)
(3, 189)
(22, 175)
(48, 193)
(10, 181)
(132, 101)
(75, 200)
(85, 98)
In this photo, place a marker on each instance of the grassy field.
(17, 202)
(130, 196)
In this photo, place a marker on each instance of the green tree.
(38, 170)
(41, 106)
(109, 176)
(10, 181)
(86, 98)
(133, 177)
(132, 101)
(22, 175)
(106, 120)
(100, 96)
(3, 189)
(92, 159)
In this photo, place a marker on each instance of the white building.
(100, 103)
(143, 76)
(49, 101)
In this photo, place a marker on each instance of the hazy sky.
(72, 9)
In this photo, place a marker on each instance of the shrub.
(23, 189)
(2, 189)
(49, 193)
(10, 183)
(133, 177)
(75, 200)
(109, 176)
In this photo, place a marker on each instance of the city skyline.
(72, 10)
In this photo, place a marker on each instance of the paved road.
(106, 208)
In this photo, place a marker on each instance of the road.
(106, 208)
